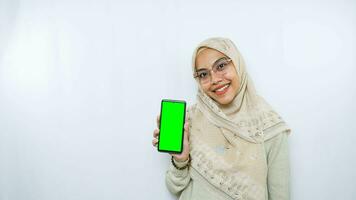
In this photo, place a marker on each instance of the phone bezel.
(182, 144)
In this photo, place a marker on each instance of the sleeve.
(278, 167)
(177, 180)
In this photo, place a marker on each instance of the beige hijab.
(227, 143)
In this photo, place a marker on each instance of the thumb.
(186, 131)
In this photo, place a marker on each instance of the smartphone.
(171, 128)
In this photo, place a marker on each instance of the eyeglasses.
(219, 68)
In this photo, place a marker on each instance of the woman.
(235, 144)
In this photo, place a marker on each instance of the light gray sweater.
(190, 185)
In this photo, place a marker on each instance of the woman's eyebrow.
(201, 69)
(216, 61)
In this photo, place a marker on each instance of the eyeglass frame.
(209, 70)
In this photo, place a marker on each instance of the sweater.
(188, 184)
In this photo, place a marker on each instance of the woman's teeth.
(221, 89)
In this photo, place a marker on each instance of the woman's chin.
(224, 100)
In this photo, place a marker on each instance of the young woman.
(235, 144)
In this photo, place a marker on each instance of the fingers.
(158, 120)
(156, 133)
(186, 126)
(155, 142)
(186, 131)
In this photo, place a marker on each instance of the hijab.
(227, 142)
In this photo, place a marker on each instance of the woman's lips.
(222, 90)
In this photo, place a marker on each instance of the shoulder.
(278, 138)
(280, 141)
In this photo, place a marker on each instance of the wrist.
(181, 164)
(181, 160)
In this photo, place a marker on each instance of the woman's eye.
(221, 66)
(202, 75)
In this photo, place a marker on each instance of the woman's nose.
(215, 78)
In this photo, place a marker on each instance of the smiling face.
(221, 87)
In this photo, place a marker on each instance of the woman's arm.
(177, 180)
(278, 167)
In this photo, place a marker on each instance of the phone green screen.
(171, 126)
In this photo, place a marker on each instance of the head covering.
(227, 142)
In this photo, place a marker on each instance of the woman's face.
(221, 87)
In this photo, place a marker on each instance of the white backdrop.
(81, 84)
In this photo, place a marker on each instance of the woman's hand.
(185, 153)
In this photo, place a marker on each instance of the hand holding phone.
(174, 138)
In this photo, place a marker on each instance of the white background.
(81, 84)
